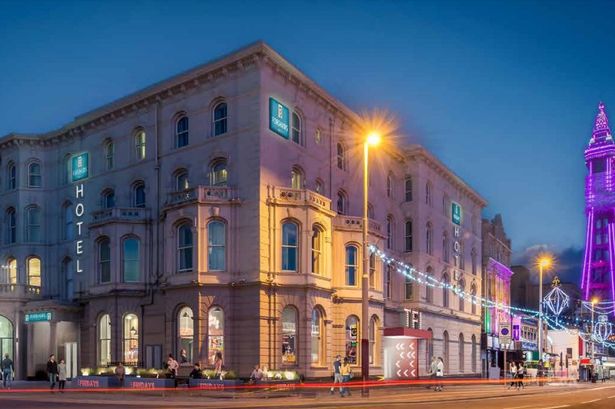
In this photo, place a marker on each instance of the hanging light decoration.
(556, 300)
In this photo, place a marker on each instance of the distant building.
(521, 288)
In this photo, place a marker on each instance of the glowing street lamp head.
(595, 300)
(544, 261)
(373, 138)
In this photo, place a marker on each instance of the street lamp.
(594, 302)
(372, 139)
(544, 261)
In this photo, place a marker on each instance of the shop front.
(401, 352)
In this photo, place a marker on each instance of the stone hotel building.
(219, 211)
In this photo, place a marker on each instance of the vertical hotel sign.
(79, 172)
(456, 217)
(278, 118)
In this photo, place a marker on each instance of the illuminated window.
(34, 271)
(11, 271)
(317, 338)
(352, 339)
(290, 246)
(104, 340)
(317, 246)
(182, 132)
(216, 245)
(218, 172)
(104, 260)
(185, 245)
(34, 175)
(220, 119)
(181, 180)
(296, 178)
(351, 265)
(215, 334)
(289, 335)
(139, 140)
(132, 260)
(131, 339)
(185, 334)
(296, 133)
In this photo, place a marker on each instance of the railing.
(120, 213)
(19, 290)
(300, 196)
(202, 194)
(355, 223)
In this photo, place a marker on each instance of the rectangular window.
(351, 266)
(131, 261)
(216, 254)
(388, 284)
(408, 288)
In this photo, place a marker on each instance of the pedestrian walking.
(7, 371)
(120, 373)
(540, 373)
(61, 375)
(337, 374)
(520, 375)
(513, 375)
(439, 375)
(52, 371)
(433, 368)
(172, 366)
(346, 375)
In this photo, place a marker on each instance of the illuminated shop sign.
(278, 118)
(79, 172)
(41, 316)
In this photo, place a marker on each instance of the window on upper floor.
(370, 211)
(462, 255)
(182, 131)
(474, 256)
(139, 141)
(372, 270)
(107, 199)
(33, 224)
(220, 119)
(390, 231)
(181, 180)
(445, 205)
(429, 238)
(35, 177)
(290, 246)
(104, 260)
(138, 194)
(428, 193)
(408, 287)
(461, 288)
(341, 156)
(408, 189)
(408, 244)
(319, 186)
(68, 227)
(185, 247)
(474, 301)
(218, 172)
(131, 263)
(446, 248)
(109, 148)
(296, 133)
(296, 178)
(10, 273)
(389, 185)
(429, 285)
(216, 245)
(66, 171)
(352, 264)
(388, 281)
(445, 290)
(11, 225)
(34, 271)
(11, 176)
(317, 247)
(342, 202)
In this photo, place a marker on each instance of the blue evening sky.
(504, 93)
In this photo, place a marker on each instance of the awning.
(407, 333)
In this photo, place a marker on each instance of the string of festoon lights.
(428, 280)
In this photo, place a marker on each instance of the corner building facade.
(221, 213)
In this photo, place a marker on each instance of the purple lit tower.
(598, 279)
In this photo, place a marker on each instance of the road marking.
(519, 407)
(556, 407)
(590, 401)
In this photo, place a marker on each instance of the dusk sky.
(504, 93)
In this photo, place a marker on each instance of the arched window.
(319, 186)
(107, 199)
(185, 245)
(185, 334)
(342, 202)
(445, 290)
(220, 119)
(408, 237)
(216, 245)
(181, 180)
(296, 133)
(182, 132)
(390, 231)
(11, 271)
(408, 287)
(429, 288)
(109, 155)
(66, 169)
(215, 333)
(296, 178)
(68, 276)
(6, 337)
(11, 226)
(132, 260)
(131, 339)
(11, 176)
(289, 335)
(290, 246)
(461, 289)
(473, 256)
(139, 140)
(474, 352)
(351, 265)
(473, 294)
(218, 172)
(352, 339)
(35, 177)
(34, 271)
(104, 260)
(138, 194)
(372, 270)
(317, 338)
(446, 248)
(317, 247)
(388, 282)
(408, 189)
(68, 228)
(429, 238)
(461, 354)
(104, 340)
(428, 193)
(341, 157)
(446, 346)
(429, 346)
(373, 334)
(389, 185)
(33, 224)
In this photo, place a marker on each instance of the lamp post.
(543, 262)
(372, 139)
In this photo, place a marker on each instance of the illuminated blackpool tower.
(598, 278)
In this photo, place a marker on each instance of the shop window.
(104, 340)
(131, 339)
(289, 335)
(6, 338)
(185, 334)
(215, 338)
(352, 339)
(317, 337)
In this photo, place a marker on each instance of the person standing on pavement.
(52, 371)
(218, 361)
(433, 368)
(439, 375)
(346, 374)
(172, 366)
(337, 374)
(120, 372)
(61, 375)
(520, 374)
(513, 375)
(7, 371)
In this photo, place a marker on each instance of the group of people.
(56, 372)
(341, 375)
(517, 373)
